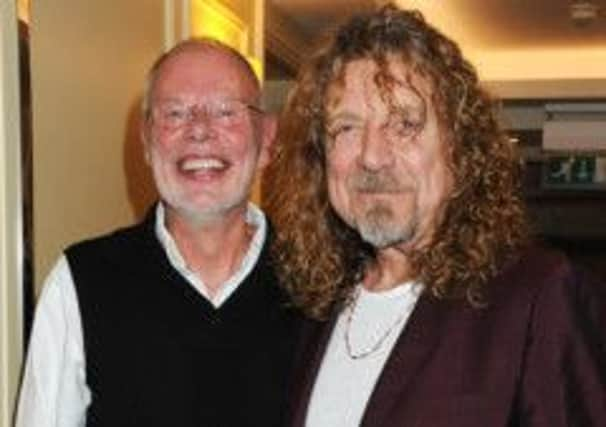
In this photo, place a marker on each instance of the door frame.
(11, 243)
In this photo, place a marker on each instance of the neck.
(213, 250)
(391, 269)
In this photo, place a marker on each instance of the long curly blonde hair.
(320, 258)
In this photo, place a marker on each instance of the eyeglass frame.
(210, 110)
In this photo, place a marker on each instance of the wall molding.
(282, 38)
(11, 279)
(548, 89)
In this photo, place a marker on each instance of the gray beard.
(381, 229)
(378, 225)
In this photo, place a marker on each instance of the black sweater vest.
(159, 354)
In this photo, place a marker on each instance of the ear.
(268, 137)
(145, 137)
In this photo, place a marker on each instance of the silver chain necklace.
(377, 345)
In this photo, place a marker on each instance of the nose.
(199, 126)
(375, 151)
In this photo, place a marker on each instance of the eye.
(174, 113)
(404, 127)
(225, 111)
(407, 127)
(341, 130)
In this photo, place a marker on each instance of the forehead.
(363, 81)
(200, 71)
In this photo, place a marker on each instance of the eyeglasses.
(218, 112)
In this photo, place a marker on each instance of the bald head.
(204, 47)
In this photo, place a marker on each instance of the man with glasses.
(177, 321)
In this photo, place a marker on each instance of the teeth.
(196, 164)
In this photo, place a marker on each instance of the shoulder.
(552, 289)
(102, 265)
(120, 253)
(57, 287)
(115, 243)
(533, 270)
(538, 261)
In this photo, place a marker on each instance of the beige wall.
(10, 215)
(88, 63)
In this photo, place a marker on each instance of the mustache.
(372, 182)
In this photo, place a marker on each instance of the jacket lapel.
(411, 351)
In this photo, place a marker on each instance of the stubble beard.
(177, 199)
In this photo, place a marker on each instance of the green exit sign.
(574, 172)
(570, 170)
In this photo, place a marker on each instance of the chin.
(387, 238)
(217, 209)
(381, 229)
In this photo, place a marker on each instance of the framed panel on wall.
(238, 24)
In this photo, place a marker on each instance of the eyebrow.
(343, 115)
(168, 101)
(408, 110)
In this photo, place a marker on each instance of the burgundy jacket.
(535, 356)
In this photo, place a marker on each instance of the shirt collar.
(254, 216)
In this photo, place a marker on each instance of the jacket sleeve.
(563, 381)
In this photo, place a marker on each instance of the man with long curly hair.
(402, 232)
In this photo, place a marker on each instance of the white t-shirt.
(370, 327)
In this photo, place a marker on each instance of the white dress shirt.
(344, 384)
(54, 392)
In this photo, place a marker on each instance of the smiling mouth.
(208, 164)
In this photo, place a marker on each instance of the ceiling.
(508, 40)
(489, 23)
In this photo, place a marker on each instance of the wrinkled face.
(386, 161)
(203, 141)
